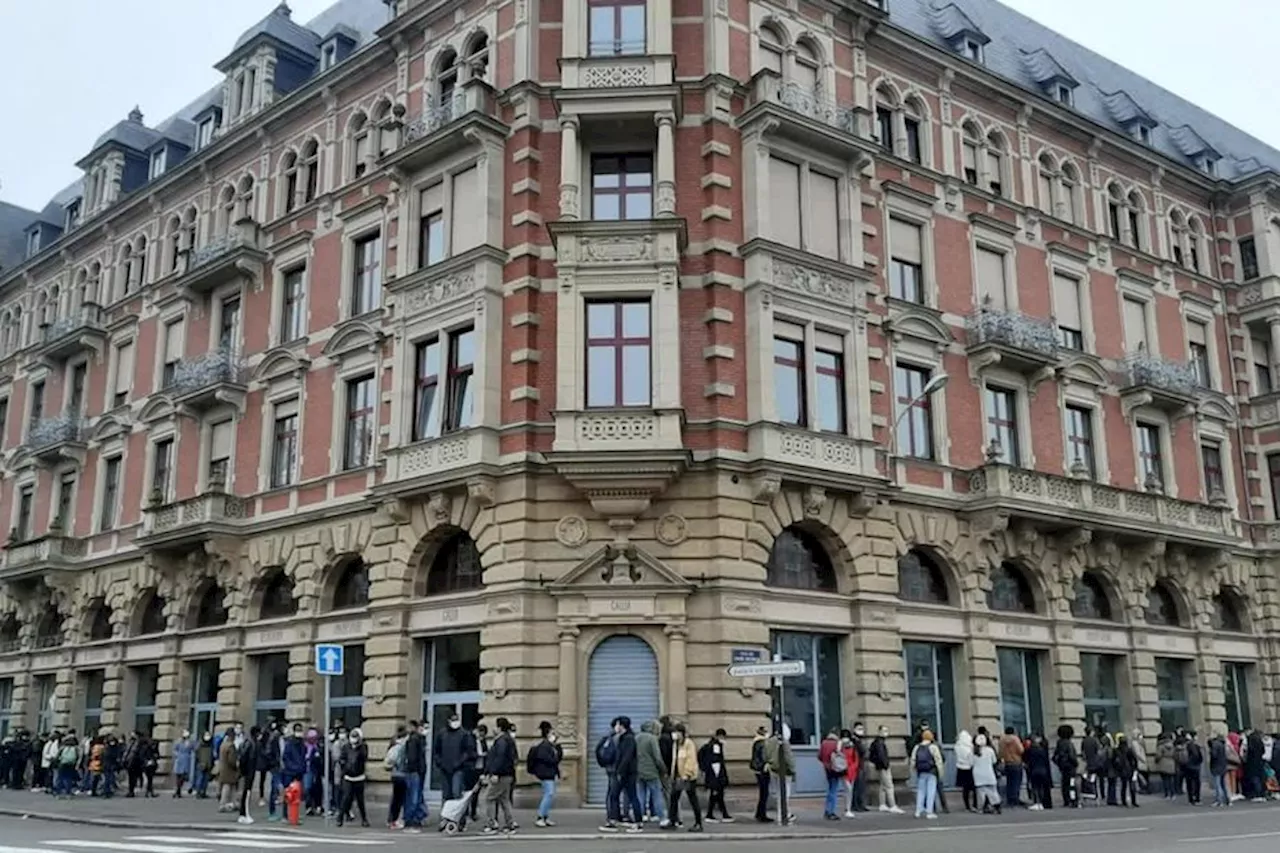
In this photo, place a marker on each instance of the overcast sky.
(72, 68)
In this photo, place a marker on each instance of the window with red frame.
(460, 390)
(621, 186)
(425, 389)
(828, 381)
(618, 353)
(915, 428)
(1211, 461)
(788, 379)
(358, 446)
(1149, 452)
(615, 27)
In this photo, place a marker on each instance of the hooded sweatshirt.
(649, 766)
(984, 766)
(964, 751)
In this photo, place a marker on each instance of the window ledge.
(420, 463)
(592, 430)
(838, 457)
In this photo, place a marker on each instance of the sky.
(73, 68)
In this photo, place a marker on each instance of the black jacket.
(543, 762)
(1095, 759)
(1036, 759)
(879, 754)
(627, 765)
(415, 754)
(353, 759)
(712, 753)
(1195, 756)
(1065, 757)
(1217, 756)
(453, 750)
(247, 755)
(666, 746)
(501, 760)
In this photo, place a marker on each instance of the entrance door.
(451, 685)
(204, 696)
(622, 681)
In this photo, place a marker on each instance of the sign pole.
(782, 733)
(328, 733)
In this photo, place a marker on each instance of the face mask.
(455, 724)
(186, 735)
(354, 739)
(552, 737)
(859, 731)
(297, 732)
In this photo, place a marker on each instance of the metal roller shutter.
(622, 681)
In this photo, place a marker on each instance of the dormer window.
(1142, 133)
(1063, 95)
(329, 56)
(205, 134)
(33, 242)
(972, 49)
(72, 215)
(1209, 166)
(157, 163)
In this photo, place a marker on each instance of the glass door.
(204, 697)
(450, 685)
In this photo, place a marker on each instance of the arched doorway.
(622, 681)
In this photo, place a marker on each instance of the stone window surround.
(574, 28)
(177, 314)
(58, 475)
(114, 346)
(1212, 431)
(353, 364)
(888, 94)
(1169, 473)
(823, 46)
(115, 447)
(1138, 291)
(299, 257)
(1075, 395)
(1061, 264)
(910, 352)
(35, 377)
(217, 300)
(365, 223)
(222, 415)
(1107, 196)
(1061, 188)
(900, 206)
(1187, 235)
(756, 155)
(575, 164)
(983, 237)
(27, 478)
(1008, 381)
(163, 430)
(299, 166)
(443, 172)
(1197, 313)
(67, 370)
(279, 392)
(262, 63)
(986, 136)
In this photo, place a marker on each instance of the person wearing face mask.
(247, 756)
(228, 771)
(858, 794)
(293, 761)
(984, 774)
(453, 751)
(684, 778)
(500, 777)
(415, 768)
(352, 762)
(183, 758)
(543, 764)
(715, 774)
(878, 756)
(202, 766)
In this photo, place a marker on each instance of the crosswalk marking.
(310, 839)
(131, 848)
(4, 849)
(276, 842)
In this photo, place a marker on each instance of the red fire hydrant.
(293, 802)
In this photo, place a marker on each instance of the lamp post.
(935, 384)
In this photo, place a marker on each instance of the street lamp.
(935, 384)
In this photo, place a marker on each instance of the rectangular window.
(46, 693)
(992, 284)
(426, 373)
(460, 389)
(75, 391)
(906, 261)
(1066, 307)
(1273, 474)
(822, 232)
(1248, 258)
(466, 222)
(219, 471)
(788, 374)
(1021, 700)
(1045, 182)
(1113, 219)
(229, 325)
(1002, 423)
(431, 226)
(915, 427)
(1215, 485)
(157, 164)
(65, 513)
(970, 160)
(618, 354)
(1135, 326)
(615, 27)
(1135, 229)
(173, 347)
(346, 702)
(812, 702)
(358, 448)
(1099, 676)
(92, 683)
(912, 127)
(621, 186)
(284, 444)
(1079, 424)
(828, 383)
(784, 202)
(37, 403)
(271, 700)
(1171, 692)
(162, 471)
(366, 281)
(884, 128)
(206, 133)
(26, 508)
(292, 324)
(1198, 347)
(1264, 383)
(363, 142)
(110, 494)
(147, 680)
(123, 382)
(1149, 454)
(931, 688)
(1235, 687)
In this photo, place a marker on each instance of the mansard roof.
(1045, 69)
(130, 133)
(279, 28)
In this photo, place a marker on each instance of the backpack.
(607, 752)
(924, 760)
(1181, 754)
(837, 763)
(394, 759)
(757, 757)
(67, 756)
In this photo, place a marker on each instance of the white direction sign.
(776, 669)
(329, 659)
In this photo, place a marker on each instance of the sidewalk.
(571, 824)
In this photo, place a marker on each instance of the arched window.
(920, 579)
(211, 610)
(277, 597)
(244, 199)
(1091, 600)
(913, 128)
(1046, 178)
(1195, 237)
(770, 49)
(49, 629)
(970, 149)
(476, 52)
(10, 633)
(798, 561)
(152, 620)
(446, 78)
(1136, 238)
(806, 67)
(310, 170)
(226, 209)
(1070, 187)
(289, 173)
(100, 627)
(189, 219)
(1228, 611)
(1010, 592)
(456, 566)
(139, 264)
(1117, 222)
(995, 164)
(1162, 607)
(172, 243)
(352, 587)
(361, 145)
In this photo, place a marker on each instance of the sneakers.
(1035, 807)
(245, 819)
(632, 828)
(490, 830)
(883, 807)
(726, 819)
(895, 810)
(664, 824)
(931, 816)
(710, 819)
(609, 827)
(919, 815)
(543, 823)
(850, 814)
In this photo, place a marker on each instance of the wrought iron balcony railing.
(435, 116)
(88, 315)
(204, 371)
(1009, 328)
(55, 430)
(1147, 371)
(216, 248)
(814, 104)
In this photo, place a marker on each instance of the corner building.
(544, 354)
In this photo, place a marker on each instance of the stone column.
(1068, 682)
(232, 698)
(677, 673)
(304, 696)
(983, 681)
(167, 724)
(113, 699)
(570, 172)
(62, 698)
(386, 684)
(1144, 699)
(567, 692)
(665, 199)
(1273, 326)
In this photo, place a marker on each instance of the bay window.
(615, 27)
(618, 353)
(621, 186)
(435, 414)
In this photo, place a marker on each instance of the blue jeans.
(64, 781)
(926, 793)
(1013, 784)
(412, 800)
(651, 797)
(548, 797)
(199, 781)
(1220, 795)
(832, 804)
(273, 799)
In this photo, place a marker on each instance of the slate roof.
(279, 26)
(13, 239)
(1044, 68)
(130, 133)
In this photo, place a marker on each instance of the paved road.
(30, 836)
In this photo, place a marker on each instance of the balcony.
(447, 127)
(809, 117)
(37, 558)
(1166, 385)
(615, 74)
(1265, 535)
(236, 255)
(813, 456)
(1059, 501)
(58, 439)
(210, 380)
(186, 525)
(426, 463)
(81, 332)
(1025, 345)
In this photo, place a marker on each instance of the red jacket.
(851, 758)
(826, 750)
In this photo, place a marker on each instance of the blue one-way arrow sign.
(328, 659)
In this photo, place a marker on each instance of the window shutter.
(173, 342)
(286, 408)
(432, 199)
(1261, 354)
(784, 196)
(220, 441)
(824, 216)
(124, 368)
(1197, 333)
(789, 331)
(468, 204)
(991, 282)
(828, 342)
(1066, 301)
(1135, 326)
(904, 242)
